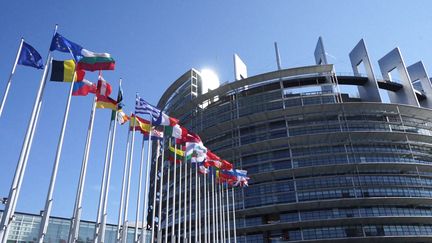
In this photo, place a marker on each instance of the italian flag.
(92, 61)
(174, 131)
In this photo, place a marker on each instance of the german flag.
(103, 102)
(63, 71)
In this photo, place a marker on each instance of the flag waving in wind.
(30, 57)
(158, 117)
(59, 43)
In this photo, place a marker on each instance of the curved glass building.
(325, 165)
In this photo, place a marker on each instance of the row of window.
(301, 196)
(337, 213)
(339, 232)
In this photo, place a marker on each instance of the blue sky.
(154, 42)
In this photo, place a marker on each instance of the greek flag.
(142, 107)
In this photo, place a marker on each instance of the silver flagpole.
(205, 207)
(222, 211)
(199, 208)
(103, 185)
(12, 208)
(104, 209)
(49, 199)
(190, 201)
(128, 182)
(74, 229)
(25, 150)
(6, 92)
(185, 200)
(174, 195)
(214, 235)
(159, 234)
(218, 218)
(152, 236)
(180, 204)
(228, 215)
(105, 198)
(234, 216)
(125, 170)
(147, 185)
(196, 203)
(167, 202)
(141, 169)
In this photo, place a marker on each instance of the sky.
(154, 43)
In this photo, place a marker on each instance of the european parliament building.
(325, 165)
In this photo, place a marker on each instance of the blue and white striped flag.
(143, 107)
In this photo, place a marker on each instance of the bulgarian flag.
(92, 61)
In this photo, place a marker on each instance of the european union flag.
(62, 44)
(30, 57)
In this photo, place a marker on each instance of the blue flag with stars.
(30, 57)
(59, 43)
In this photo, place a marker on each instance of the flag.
(174, 131)
(155, 135)
(203, 169)
(105, 102)
(196, 152)
(165, 120)
(226, 165)
(59, 43)
(103, 87)
(83, 88)
(179, 152)
(122, 118)
(95, 61)
(30, 57)
(213, 160)
(143, 107)
(139, 123)
(188, 137)
(63, 71)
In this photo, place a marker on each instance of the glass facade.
(323, 165)
(25, 229)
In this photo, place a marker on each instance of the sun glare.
(210, 80)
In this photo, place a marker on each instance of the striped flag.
(143, 107)
(103, 87)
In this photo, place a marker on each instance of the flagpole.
(103, 185)
(154, 191)
(159, 234)
(214, 235)
(15, 188)
(129, 173)
(199, 208)
(218, 220)
(75, 221)
(185, 238)
(222, 211)
(138, 205)
(174, 195)
(180, 202)
(205, 207)
(234, 216)
(105, 204)
(6, 92)
(190, 202)
(147, 184)
(196, 203)
(228, 216)
(125, 169)
(167, 202)
(49, 199)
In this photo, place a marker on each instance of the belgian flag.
(62, 71)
